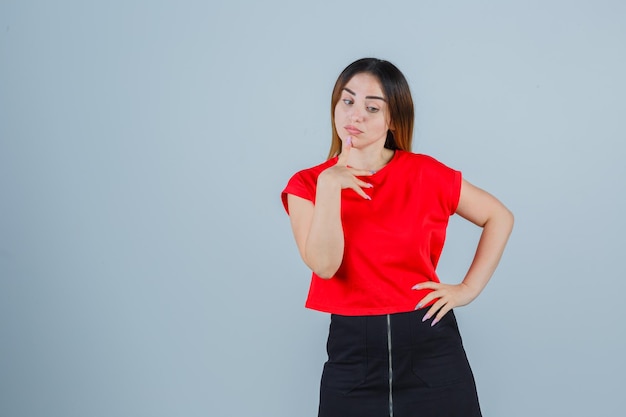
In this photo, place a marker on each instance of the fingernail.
(416, 287)
(349, 140)
(419, 305)
(426, 317)
(368, 197)
(372, 172)
(434, 322)
(370, 185)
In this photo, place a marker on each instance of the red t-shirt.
(392, 241)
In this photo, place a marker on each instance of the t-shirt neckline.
(384, 168)
(393, 158)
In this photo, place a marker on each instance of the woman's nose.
(356, 114)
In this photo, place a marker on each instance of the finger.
(433, 309)
(427, 299)
(430, 285)
(363, 184)
(442, 312)
(346, 145)
(360, 192)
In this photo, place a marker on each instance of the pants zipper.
(390, 366)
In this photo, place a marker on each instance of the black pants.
(396, 365)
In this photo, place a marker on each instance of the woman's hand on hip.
(447, 296)
(344, 176)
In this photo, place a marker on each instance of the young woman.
(370, 222)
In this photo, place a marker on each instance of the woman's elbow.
(324, 266)
(507, 219)
(500, 218)
(324, 274)
(326, 271)
(509, 216)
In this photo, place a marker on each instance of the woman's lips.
(352, 130)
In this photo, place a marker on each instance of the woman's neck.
(370, 161)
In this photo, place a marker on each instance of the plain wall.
(147, 267)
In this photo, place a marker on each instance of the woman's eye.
(372, 109)
(347, 101)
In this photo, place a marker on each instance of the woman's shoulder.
(304, 182)
(307, 177)
(420, 161)
(314, 171)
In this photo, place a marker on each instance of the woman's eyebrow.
(370, 97)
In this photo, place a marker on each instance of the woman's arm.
(317, 228)
(484, 210)
(318, 231)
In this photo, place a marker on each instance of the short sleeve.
(303, 184)
(445, 183)
(298, 187)
(455, 190)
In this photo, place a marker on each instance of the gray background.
(147, 267)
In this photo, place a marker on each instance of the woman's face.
(362, 112)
